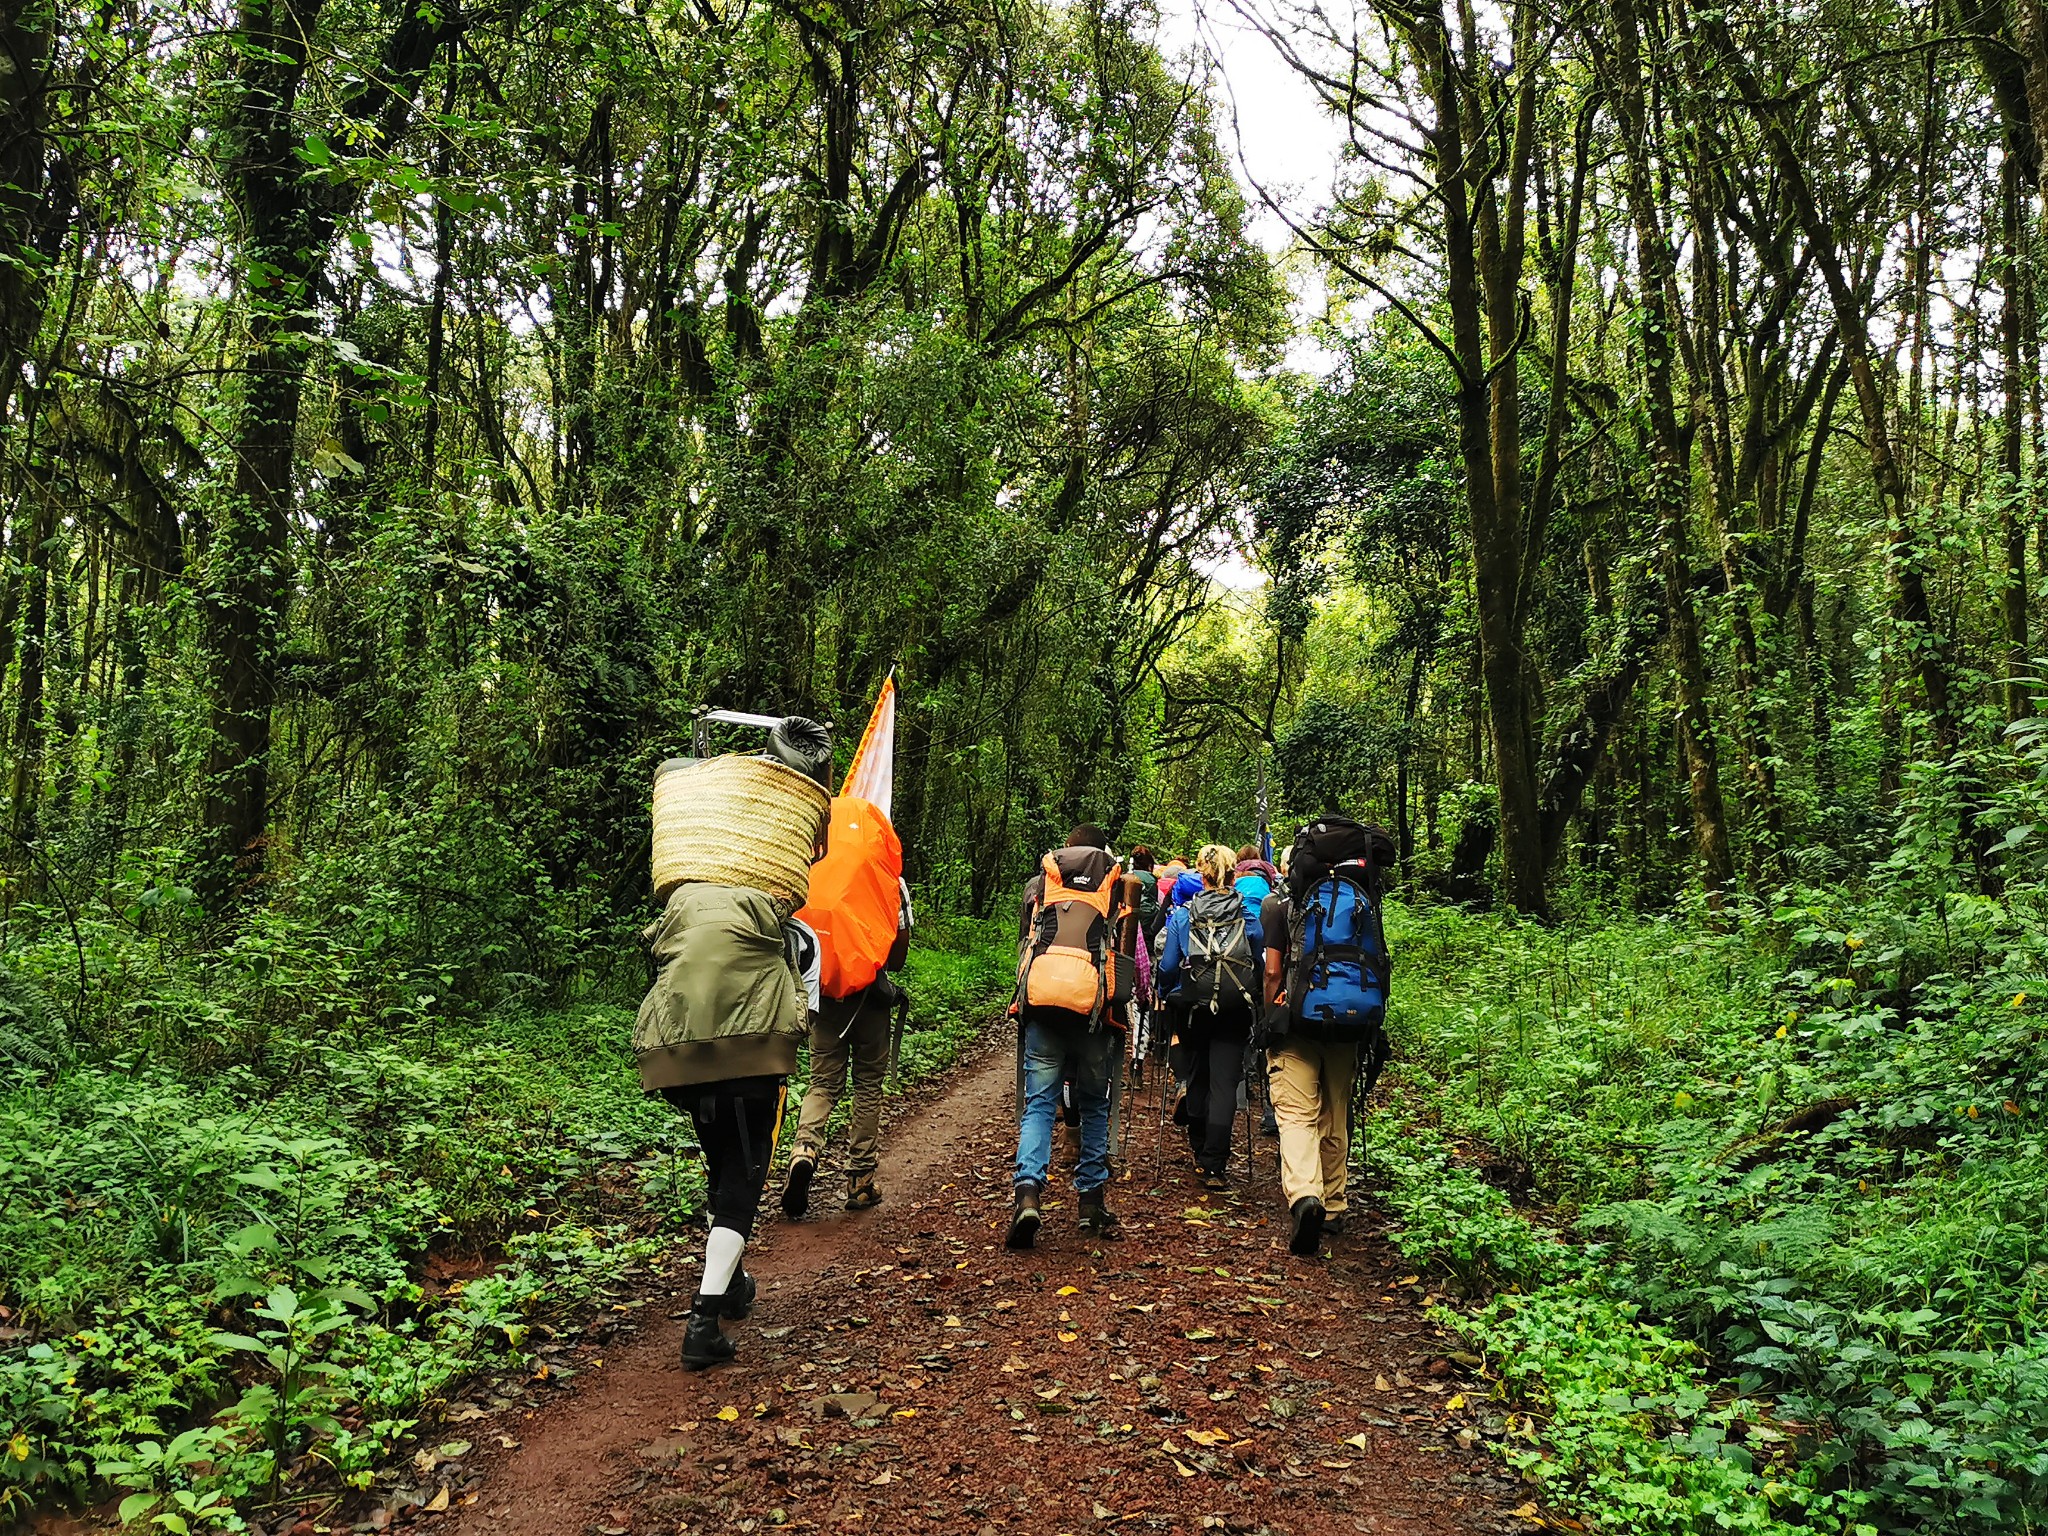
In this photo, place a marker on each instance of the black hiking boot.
(1213, 1179)
(796, 1194)
(1024, 1221)
(1308, 1227)
(1096, 1218)
(738, 1300)
(1333, 1224)
(703, 1344)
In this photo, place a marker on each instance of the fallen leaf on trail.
(1141, 1306)
(455, 1448)
(462, 1413)
(1526, 1511)
(884, 1479)
(1182, 1468)
(1362, 1441)
(1208, 1437)
(1068, 1338)
(437, 1503)
(1381, 1384)
(507, 1443)
(727, 1414)
(1068, 1290)
(1409, 1280)
(904, 1413)
(952, 1322)
(1197, 1335)
(1456, 1402)
(685, 1428)
(1004, 1306)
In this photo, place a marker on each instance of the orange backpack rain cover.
(854, 900)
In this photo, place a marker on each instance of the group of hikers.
(1228, 962)
(1219, 965)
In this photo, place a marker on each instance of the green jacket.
(725, 1002)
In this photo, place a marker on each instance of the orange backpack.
(855, 903)
(1070, 958)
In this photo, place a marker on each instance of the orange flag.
(872, 777)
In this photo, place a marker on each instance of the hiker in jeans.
(1326, 978)
(1077, 935)
(1212, 964)
(849, 1037)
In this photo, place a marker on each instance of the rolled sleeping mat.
(747, 821)
(804, 745)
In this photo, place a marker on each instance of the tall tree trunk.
(27, 34)
(1671, 476)
(1484, 207)
(288, 225)
(27, 788)
(2012, 440)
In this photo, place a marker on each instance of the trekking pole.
(896, 1038)
(1118, 1124)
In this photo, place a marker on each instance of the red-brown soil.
(1190, 1377)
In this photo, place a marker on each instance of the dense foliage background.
(410, 415)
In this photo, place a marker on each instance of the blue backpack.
(1337, 974)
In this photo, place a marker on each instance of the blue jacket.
(1174, 957)
(1186, 889)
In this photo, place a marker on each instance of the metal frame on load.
(700, 727)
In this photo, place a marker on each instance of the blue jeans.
(1050, 1052)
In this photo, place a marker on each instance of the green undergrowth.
(217, 1263)
(1761, 1212)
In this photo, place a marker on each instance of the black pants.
(735, 1123)
(1217, 1059)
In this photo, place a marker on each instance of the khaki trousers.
(1310, 1083)
(850, 1032)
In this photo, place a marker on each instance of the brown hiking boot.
(1096, 1217)
(1024, 1221)
(861, 1194)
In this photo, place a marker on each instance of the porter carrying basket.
(736, 821)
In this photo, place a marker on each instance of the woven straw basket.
(736, 821)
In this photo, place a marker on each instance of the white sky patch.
(1284, 145)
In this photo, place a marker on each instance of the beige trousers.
(1310, 1082)
(848, 1033)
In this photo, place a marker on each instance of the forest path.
(1190, 1377)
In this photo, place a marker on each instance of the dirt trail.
(1191, 1377)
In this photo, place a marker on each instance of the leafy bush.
(1810, 1148)
(210, 1228)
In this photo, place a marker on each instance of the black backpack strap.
(1295, 972)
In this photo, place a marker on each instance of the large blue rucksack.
(1338, 970)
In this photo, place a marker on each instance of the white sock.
(722, 1250)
